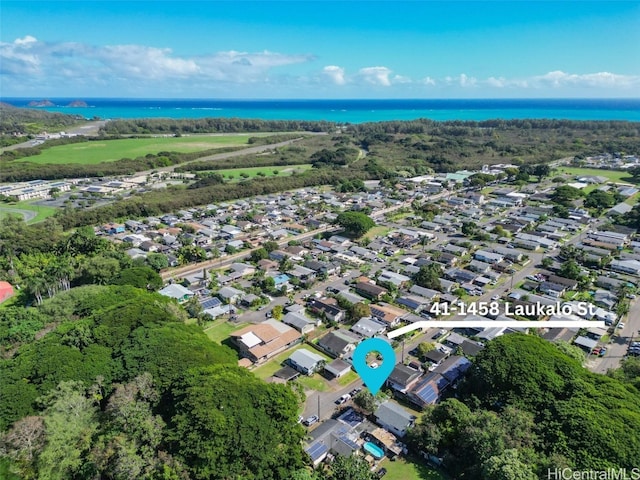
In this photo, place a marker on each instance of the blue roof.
(428, 389)
(317, 450)
(455, 370)
(210, 303)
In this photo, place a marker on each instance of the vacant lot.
(240, 173)
(112, 150)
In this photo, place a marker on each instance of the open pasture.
(98, 151)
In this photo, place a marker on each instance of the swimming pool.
(374, 450)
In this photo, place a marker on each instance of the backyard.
(410, 468)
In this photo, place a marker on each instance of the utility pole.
(318, 406)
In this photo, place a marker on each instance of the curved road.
(26, 214)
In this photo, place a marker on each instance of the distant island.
(78, 103)
(41, 103)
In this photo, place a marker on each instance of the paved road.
(222, 262)
(26, 214)
(617, 349)
(89, 129)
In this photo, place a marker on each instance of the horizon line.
(323, 99)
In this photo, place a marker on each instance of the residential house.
(396, 279)
(306, 361)
(478, 266)
(388, 314)
(403, 378)
(177, 291)
(299, 321)
(631, 267)
(337, 368)
(369, 327)
(424, 292)
(373, 292)
(230, 295)
(321, 268)
(488, 257)
(338, 343)
(393, 418)
(328, 308)
(552, 289)
(263, 341)
(427, 390)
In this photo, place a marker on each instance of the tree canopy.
(355, 224)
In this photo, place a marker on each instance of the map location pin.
(372, 377)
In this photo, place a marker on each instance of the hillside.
(30, 121)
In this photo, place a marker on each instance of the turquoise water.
(373, 449)
(350, 111)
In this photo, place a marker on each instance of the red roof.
(6, 290)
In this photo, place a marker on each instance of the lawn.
(410, 468)
(251, 172)
(221, 329)
(275, 364)
(377, 231)
(347, 378)
(18, 208)
(612, 175)
(315, 382)
(110, 150)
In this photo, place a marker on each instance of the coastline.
(348, 110)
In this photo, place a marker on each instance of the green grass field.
(111, 150)
(20, 208)
(409, 468)
(235, 173)
(612, 175)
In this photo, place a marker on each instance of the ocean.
(348, 111)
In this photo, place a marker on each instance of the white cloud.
(376, 75)
(400, 79)
(428, 81)
(559, 78)
(29, 57)
(335, 74)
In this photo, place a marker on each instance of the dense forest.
(31, 121)
(212, 125)
(526, 407)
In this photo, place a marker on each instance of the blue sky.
(321, 49)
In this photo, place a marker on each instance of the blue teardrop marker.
(374, 378)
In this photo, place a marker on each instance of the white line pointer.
(424, 324)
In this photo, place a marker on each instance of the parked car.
(355, 391)
(300, 418)
(620, 325)
(310, 420)
(382, 472)
(602, 353)
(495, 297)
(344, 398)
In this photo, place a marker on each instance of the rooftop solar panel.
(427, 394)
(210, 303)
(316, 450)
